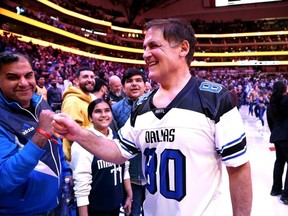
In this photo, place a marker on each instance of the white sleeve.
(81, 161)
(231, 139)
(126, 143)
(126, 171)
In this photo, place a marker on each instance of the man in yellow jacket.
(76, 100)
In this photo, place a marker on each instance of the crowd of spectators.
(204, 45)
(93, 11)
(200, 26)
(54, 63)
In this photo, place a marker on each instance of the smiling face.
(86, 81)
(101, 117)
(17, 82)
(134, 87)
(160, 56)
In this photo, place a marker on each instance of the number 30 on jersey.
(172, 171)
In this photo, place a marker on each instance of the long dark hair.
(279, 88)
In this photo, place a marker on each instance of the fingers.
(58, 128)
(127, 211)
(47, 113)
(127, 206)
(45, 120)
(59, 120)
(58, 135)
(60, 116)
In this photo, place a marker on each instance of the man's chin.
(88, 90)
(24, 100)
(118, 94)
(24, 104)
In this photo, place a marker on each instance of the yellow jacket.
(75, 104)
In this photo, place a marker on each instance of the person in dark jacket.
(133, 82)
(54, 96)
(32, 163)
(277, 117)
(234, 93)
(115, 89)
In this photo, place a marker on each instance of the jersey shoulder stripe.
(208, 98)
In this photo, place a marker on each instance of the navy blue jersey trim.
(232, 142)
(235, 155)
(127, 145)
(234, 149)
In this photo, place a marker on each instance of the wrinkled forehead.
(153, 33)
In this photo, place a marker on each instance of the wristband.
(47, 135)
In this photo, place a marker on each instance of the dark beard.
(85, 89)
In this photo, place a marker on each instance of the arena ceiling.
(135, 10)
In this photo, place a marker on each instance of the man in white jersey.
(182, 129)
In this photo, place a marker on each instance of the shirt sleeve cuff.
(82, 201)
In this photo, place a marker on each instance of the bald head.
(115, 85)
(114, 80)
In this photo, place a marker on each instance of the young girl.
(99, 186)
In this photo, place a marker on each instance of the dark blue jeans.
(251, 104)
(261, 114)
(281, 158)
(138, 198)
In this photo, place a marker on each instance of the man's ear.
(102, 90)
(185, 47)
(76, 81)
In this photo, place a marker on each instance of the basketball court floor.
(262, 161)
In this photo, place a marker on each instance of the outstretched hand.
(63, 126)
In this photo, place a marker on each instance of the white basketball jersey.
(184, 146)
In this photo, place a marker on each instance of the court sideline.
(262, 162)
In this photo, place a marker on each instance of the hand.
(44, 124)
(45, 121)
(65, 127)
(127, 206)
